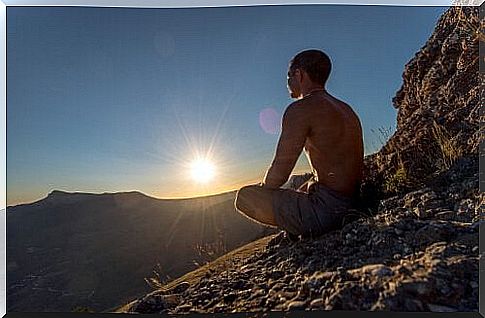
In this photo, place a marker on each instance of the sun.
(202, 170)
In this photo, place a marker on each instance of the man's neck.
(307, 91)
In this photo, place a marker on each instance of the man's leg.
(256, 202)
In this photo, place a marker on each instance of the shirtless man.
(330, 133)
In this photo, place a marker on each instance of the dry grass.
(383, 135)
(215, 268)
(157, 281)
(206, 252)
(449, 146)
(398, 180)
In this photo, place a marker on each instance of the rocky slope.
(415, 248)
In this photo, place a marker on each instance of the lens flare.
(202, 170)
(269, 120)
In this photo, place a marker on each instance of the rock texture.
(401, 259)
(416, 249)
(438, 108)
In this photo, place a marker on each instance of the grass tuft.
(449, 146)
(158, 280)
(206, 252)
(397, 181)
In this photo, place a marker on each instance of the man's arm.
(294, 131)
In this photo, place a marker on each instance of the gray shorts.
(311, 213)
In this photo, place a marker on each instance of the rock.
(238, 284)
(184, 308)
(180, 288)
(155, 303)
(378, 270)
(296, 305)
(287, 294)
(413, 305)
(171, 301)
(441, 308)
(445, 215)
(229, 298)
(474, 285)
(317, 303)
(219, 308)
(416, 287)
(276, 274)
(197, 311)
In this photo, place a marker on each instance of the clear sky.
(122, 99)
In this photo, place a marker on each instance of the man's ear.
(303, 75)
(299, 74)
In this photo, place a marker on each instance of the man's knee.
(244, 197)
(255, 202)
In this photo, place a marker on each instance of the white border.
(143, 4)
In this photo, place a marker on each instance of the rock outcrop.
(415, 249)
(438, 108)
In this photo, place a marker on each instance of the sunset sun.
(202, 170)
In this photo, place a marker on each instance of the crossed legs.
(256, 202)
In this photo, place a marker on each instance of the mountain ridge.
(53, 243)
(62, 194)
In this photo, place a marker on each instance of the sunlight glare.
(202, 170)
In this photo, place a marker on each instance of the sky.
(124, 99)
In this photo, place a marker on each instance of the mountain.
(94, 251)
(415, 246)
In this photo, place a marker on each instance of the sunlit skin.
(202, 170)
(329, 132)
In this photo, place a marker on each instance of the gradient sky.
(122, 99)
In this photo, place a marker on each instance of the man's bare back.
(330, 133)
(334, 144)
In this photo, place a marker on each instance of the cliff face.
(438, 107)
(418, 249)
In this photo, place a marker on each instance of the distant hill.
(93, 251)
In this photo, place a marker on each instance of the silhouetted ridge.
(61, 193)
(85, 250)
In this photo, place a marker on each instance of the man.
(330, 133)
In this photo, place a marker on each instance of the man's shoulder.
(294, 108)
(295, 113)
(297, 103)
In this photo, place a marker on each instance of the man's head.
(308, 68)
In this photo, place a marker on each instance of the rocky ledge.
(418, 253)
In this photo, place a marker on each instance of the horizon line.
(298, 170)
(122, 192)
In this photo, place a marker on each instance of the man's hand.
(304, 186)
(268, 186)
